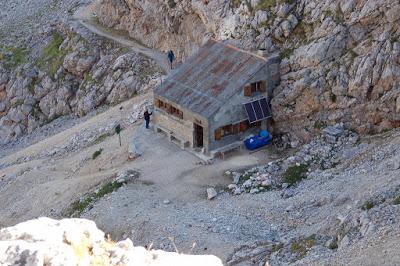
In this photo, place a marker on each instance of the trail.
(85, 16)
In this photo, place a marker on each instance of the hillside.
(326, 193)
(340, 59)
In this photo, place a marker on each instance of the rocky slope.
(71, 75)
(340, 59)
(79, 242)
(51, 67)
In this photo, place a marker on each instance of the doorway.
(198, 136)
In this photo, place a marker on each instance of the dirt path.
(85, 16)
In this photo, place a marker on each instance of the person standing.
(146, 116)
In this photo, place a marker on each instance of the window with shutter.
(263, 86)
(247, 90)
(218, 134)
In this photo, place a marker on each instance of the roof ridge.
(240, 50)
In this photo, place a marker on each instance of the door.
(198, 136)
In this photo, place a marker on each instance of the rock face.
(69, 76)
(79, 242)
(340, 59)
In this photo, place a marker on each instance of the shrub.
(295, 173)
(369, 204)
(79, 206)
(301, 246)
(52, 57)
(333, 245)
(13, 56)
(396, 200)
(97, 154)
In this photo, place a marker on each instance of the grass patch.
(52, 57)
(36, 111)
(286, 53)
(302, 246)
(147, 182)
(101, 138)
(319, 124)
(97, 154)
(13, 56)
(396, 201)
(88, 79)
(236, 3)
(80, 206)
(295, 174)
(265, 4)
(369, 204)
(17, 103)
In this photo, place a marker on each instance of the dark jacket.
(147, 115)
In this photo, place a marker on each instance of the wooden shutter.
(218, 134)
(236, 129)
(243, 126)
(263, 86)
(247, 90)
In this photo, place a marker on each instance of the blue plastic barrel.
(256, 142)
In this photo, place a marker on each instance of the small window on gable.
(253, 88)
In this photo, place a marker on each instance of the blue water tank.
(256, 142)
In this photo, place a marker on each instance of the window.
(169, 109)
(234, 129)
(251, 89)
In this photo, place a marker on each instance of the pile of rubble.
(320, 154)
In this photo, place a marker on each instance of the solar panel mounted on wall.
(250, 112)
(265, 108)
(257, 110)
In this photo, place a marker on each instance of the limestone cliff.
(68, 75)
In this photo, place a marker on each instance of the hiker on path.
(146, 116)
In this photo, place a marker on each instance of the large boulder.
(79, 242)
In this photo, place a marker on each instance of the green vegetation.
(333, 245)
(79, 206)
(97, 154)
(236, 3)
(88, 79)
(333, 97)
(302, 30)
(101, 138)
(36, 111)
(337, 16)
(265, 4)
(396, 201)
(13, 56)
(17, 103)
(171, 3)
(52, 57)
(302, 246)
(147, 182)
(319, 124)
(286, 53)
(369, 204)
(353, 54)
(295, 174)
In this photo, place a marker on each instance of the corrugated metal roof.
(208, 80)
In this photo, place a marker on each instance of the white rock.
(211, 193)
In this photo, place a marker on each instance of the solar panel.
(250, 112)
(257, 110)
